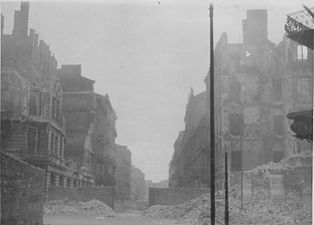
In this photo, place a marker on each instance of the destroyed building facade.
(32, 123)
(90, 127)
(257, 84)
(52, 118)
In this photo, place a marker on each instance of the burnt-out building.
(90, 127)
(250, 100)
(123, 173)
(32, 123)
(257, 83)
(296, 54)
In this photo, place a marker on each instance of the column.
(47, 180)
(71, 182)
(57, 180)
(65, 181)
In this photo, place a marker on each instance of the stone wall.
(174, 196)
(22, 192)
(84, 194)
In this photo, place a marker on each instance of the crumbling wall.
(84, 194)
(22, 192)
(174, 196)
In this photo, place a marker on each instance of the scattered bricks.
(83, 194)
(173, 196)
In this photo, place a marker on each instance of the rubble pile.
(189, 213)
(261, 210)
(92, 208)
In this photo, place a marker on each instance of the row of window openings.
(62, 180)
(304, 89)
(235, 90)
(236, 124)
(35, 104)
(55, 142)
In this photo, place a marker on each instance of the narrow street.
(157, 112)
(125, 218)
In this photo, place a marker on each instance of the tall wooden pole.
(226, 191)
(241, 165)
(212, 118)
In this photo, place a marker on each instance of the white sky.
(146, 55)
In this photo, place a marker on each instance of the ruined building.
(299, 74)
(32, 123)
(90, 127)
(123, 173)
(250, 97)
(257, 84)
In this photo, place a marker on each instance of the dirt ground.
(125, 218)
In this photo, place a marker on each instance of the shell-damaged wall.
(252, 89)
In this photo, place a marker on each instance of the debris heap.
(92, 208)
(260, 210)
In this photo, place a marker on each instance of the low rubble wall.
(174, 196)
(84, 194)
(22, 192)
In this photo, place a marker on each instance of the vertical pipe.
(212, 118)
(226, 190)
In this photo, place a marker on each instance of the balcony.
(300, 27)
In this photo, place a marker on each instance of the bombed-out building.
(296, 54)
(90, 127)
(257, 84)
(252, 113)
(32, 123)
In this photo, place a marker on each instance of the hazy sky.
(146, 55)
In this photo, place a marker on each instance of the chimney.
(255, 27)
(21, 20)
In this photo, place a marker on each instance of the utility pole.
(212, 118)
(241, 141)
(226, 190)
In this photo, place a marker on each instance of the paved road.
(129, 218)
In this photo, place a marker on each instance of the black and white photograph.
(157, 112)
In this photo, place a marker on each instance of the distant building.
(32, 123)
(90, 127)
(137, 184)
(150, 184)
(189, 166)
(123, 173)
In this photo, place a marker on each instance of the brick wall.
(174, 196)
(22, 192)
(84, 194)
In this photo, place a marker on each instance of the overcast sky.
(146, 55)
